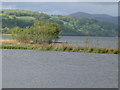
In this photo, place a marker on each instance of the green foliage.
(12, 21)
(69, 25)
(6, 30)
(40, 32)
(65, 48)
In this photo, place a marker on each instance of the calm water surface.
(91, 41)
(85, 41)
(53, 69)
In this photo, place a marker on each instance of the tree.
(69, 25)
(40, 32)
(5, 30)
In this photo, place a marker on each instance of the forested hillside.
(99, 17)
(69, 25)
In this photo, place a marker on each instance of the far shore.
(72, 35)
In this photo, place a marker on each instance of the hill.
(69, 25)
(99, 17)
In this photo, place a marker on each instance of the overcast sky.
(64, 8)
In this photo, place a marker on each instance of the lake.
(86, 41)
(54, 69)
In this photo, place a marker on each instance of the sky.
(65, 8)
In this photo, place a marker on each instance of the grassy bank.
(14, 44)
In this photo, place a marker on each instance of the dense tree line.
(68, 24)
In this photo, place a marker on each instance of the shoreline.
(14, 44)
(77, 35)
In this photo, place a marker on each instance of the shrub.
(40, 32)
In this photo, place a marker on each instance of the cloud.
(53, 12)
(8, 7)
(65, 8)
(105, 3)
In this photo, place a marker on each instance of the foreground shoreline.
(14, 44)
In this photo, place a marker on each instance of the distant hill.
(69, 25)
(100, 17)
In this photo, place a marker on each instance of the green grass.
(26, 18)
(13, 44)
(66, 49)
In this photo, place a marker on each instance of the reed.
(14, 44)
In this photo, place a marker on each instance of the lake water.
(91, 41)
(54, 69)
(85, 41)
